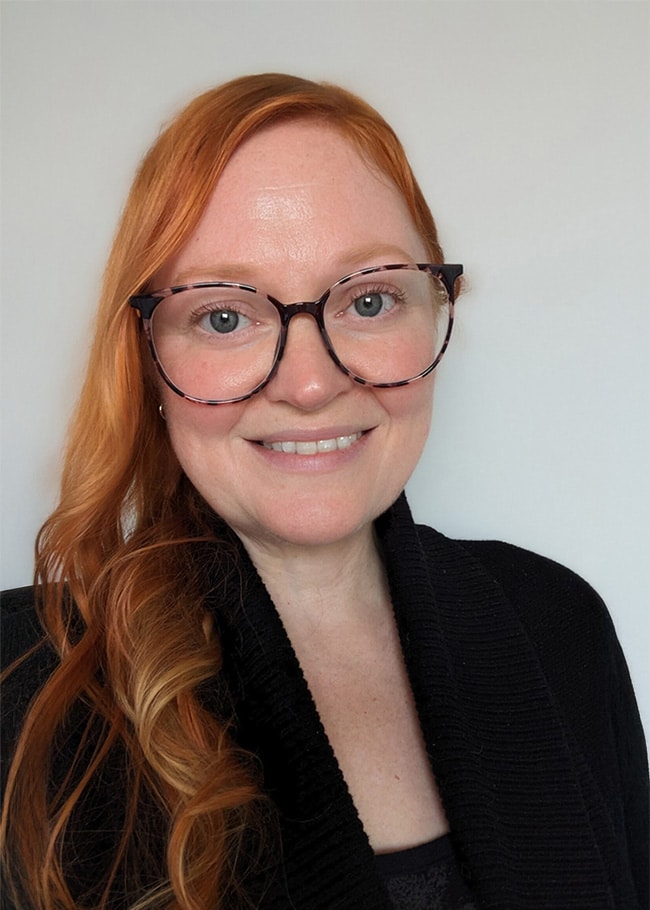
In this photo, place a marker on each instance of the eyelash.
(216, 307)
(368, 290)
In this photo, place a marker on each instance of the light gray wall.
(527, 123)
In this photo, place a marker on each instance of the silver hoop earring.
(161, 411)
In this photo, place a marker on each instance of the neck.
(321, 589)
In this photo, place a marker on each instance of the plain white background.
(528, 126)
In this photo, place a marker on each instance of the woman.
(261, 684)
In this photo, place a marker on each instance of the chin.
(311, 522)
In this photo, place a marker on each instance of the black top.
(526, 710)
(427, 877)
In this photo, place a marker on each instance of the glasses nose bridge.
(313, 308)
(309, 307)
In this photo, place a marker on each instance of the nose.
(306, 376)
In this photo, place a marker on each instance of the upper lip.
(311, 435)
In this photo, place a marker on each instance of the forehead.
(301, 149)
(298, 192)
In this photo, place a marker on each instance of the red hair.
(121, 588)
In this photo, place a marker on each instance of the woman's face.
(296, 209)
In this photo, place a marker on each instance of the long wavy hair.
(121, 585)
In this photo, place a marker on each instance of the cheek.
(411, 407)
(199, 431)
(410, 410)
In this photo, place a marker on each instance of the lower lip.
(320, 462)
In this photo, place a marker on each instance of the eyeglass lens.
(221, 343)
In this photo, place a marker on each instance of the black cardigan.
(526, 708)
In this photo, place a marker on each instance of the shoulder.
(21, 629)
(573, 639)
(569, 629)
(27, 660)
(559, 609)
(24, 649)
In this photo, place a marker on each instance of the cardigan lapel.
(496, 740)
(327, 861)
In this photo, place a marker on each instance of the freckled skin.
(293, 212)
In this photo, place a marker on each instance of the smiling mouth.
(313, 447)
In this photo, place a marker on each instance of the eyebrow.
(376, 254)
(351, 261)
(240, 273)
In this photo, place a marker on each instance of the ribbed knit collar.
(497, 744)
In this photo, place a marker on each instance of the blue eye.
(224, 322)
(373, 303)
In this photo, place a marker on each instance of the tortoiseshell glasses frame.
(147, 304)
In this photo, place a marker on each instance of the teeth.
(313, 448)
(306, 448)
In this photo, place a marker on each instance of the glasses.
(217, 342)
